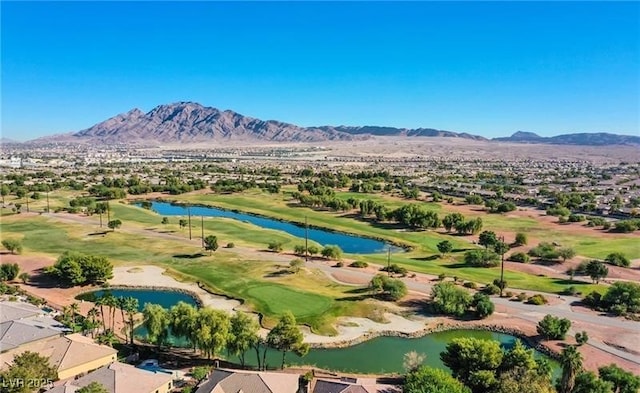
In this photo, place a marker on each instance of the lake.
(348, 243)
(376, 356)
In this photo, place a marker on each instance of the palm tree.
(131, 308)
(93, 322)
(571, 362)
(111, 302)
(107, 338)
(120, 300)
(74, 309)
(100, 303)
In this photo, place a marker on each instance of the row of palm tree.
(98, 320)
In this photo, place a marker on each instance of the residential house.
(23, 323)
(71, 355)
(121, 378)
(351, 385)
(234, 381)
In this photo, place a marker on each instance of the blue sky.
(485, 68)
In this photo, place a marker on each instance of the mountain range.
(189, 122)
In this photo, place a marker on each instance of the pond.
(379, 355)
(348, 243)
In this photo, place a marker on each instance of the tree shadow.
(429, 258)
(101, 233)
(456, 265)
(189, 256)
(278, 273)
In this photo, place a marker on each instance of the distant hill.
(190, 122)
(586, 139)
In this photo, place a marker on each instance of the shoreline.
(176, 202)
(327, 342)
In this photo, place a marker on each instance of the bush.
(491, 289)
(553, 328)
(470, 284)
(618, 259)
(483, 305)
(522, 296)
(481, 258)
(230, 245)
(339, 264)
(332, 252)
(571, 291)
(441, 276)
(359, 264)
(521, 239)
(593, 300)
(537, 300)
(576, 218)
(519, 257)
(275, 246)
(9, 271)
(394, 269)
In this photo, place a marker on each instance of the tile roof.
(10, 311)
(64, 352)
(231, 381)
(120, 378)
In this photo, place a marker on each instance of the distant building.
(351, 385)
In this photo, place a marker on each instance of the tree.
(622, 297)
(582, 338)
(596, 270)
(183, 322)
(165, 220)
(332, 252)
(199, 373)
(275, 246)
(481, 258)
(212, 329)
(448, 299)
(523, 381)
(75, 268)
(618, 259)
(313, 250)
(9, 271)
(487, 238)
(100, 209)
(24, 277)
(130, 308)
(432, 380)
(395, 289)
(211, 243)
(412, 361)
(501, 248)
(588, 382)
(521, 239)
(623, 381)
(243, 335)
(114, 224)
(483, 305)
(183, 223)
(296, 264)
(445, 247)
(93, 387)
(156, 321)
(12, 245)
(571, 363)
(566, 253)
(450, 220)
(28, 366)
(471, 360)
(553, 328)
(286, 336)
(4, 191)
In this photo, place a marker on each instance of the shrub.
(395, 269)
(576, 218)
(519, 257)
(571, 291)
(470, 284)
(332, 252)
(537, 300)
(275, 246)
(593, 300)
(553, 328)
(482, 305)
(618, 259)
(339, 264)
(230, 245)
(359, 264)
(481, 258)
(521, 239)
(522, 296)
(491, 289)
(441, 276)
